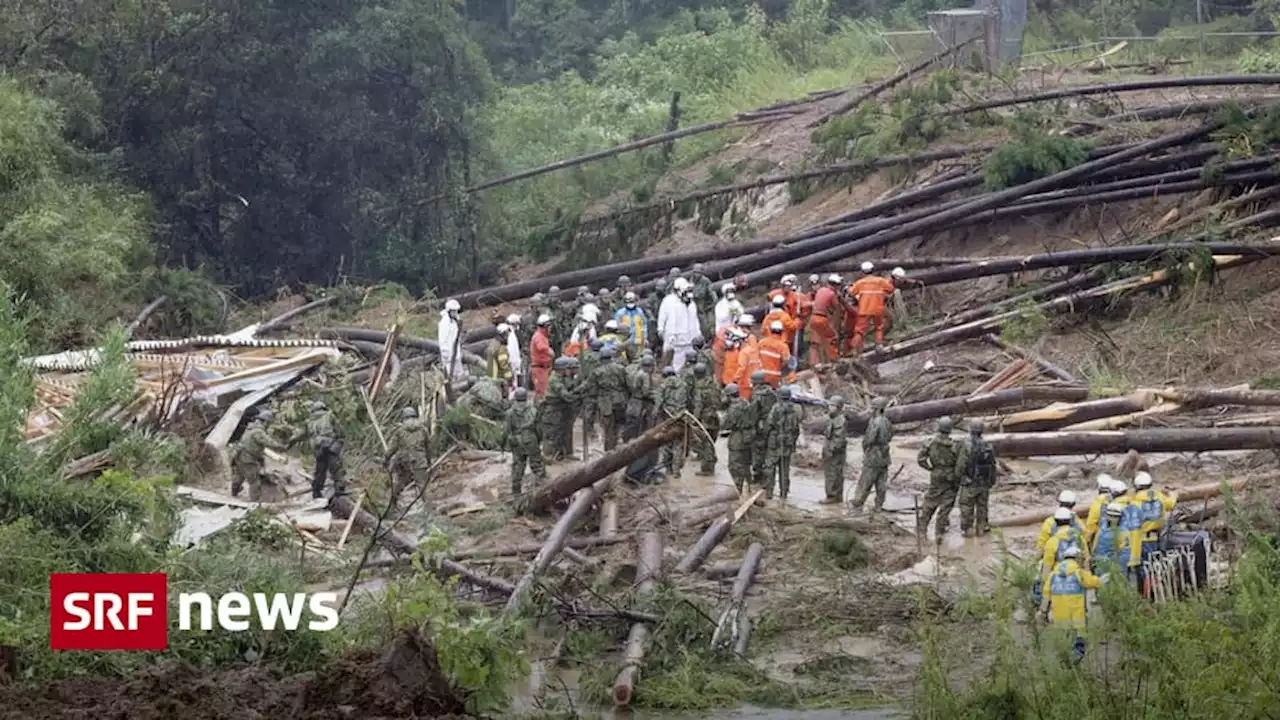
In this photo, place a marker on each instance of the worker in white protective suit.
(678, 324)
(449, 336)
(729, 308)
(513, 349)
(584, 330)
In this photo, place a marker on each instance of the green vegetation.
(1212, 655)
(1031, 155)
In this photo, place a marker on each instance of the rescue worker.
(678, 324)
(740, 423)
(870, 293)
(624, 284)
(610, 385)
(581, 299)
(653, 306)
(632, 319)
(449, 337)
(589, 393)
(719, 346)
(516, 339)
(1132, 522)
(775, 357)
(250, 456)
(976, 464)
(897, 280)
(834, 444)
(700, 353)
(522, 435)
(485, 398)
(408, 456)
(782, 428)
(498, 358)
(584, 330)
(728, 308)
(541, 355)
(560, 326)
(558, 410)
(1106, 494)
(749, 360)
(1109, 551)
(604, 301)
(778, 314)
(822, 334)
(1066, 533)
(875, 457)
(612, 338)
(735, 339)
(938, 456)
(1067, 585)
(326, 443)
(763, 397)
(640, 397)
(1155, 507)
(704, 295)
(672, 401)
(1066, 499)
(705, 406)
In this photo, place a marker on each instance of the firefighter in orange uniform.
(779, 314)
(541, 356)
(720, 346)
(775, 356)
(870, 292)
(822, 334)
(733, 349)
(749, 359)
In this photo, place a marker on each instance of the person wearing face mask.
(728, 308)
(449, 337)
(633, 324)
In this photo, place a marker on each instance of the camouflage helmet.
(836, 400)
(409, 412)
(521, 394)
(561, 363)
(553, 290)
(975, 427)
(573, 363)
(604, 294)
(596, 344)
(879, 403)
(698, 342)
(584, 291)
(317, 406)
(538, 299)
(758, 377)
(784, 392)
(945, 424)
(673, 272)
(646, 360)
(731, 389)
(668, 371)
(623, 281)
(699, 267)
(700, 369)
(606, 353)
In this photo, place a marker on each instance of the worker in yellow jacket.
(1066, 534)
(1106, 492)
(1066, 499)
(1066, 590)
(1156, 507)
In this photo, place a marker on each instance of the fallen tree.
(380, 337)
(729, 628)
(1149, 440)
(1060, 415)
(648, 572)
(555, 542)
(967, 405)
(1110, 88)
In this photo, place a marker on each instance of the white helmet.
(544, 319)
(746, 319)
(630, 298)
(1120, 488)
(452, 305)
(514, 319)
(835, 279)
(778, 301)
(1071, 551)
(814, 279)
(788, 281)
(1066, 497)
(738, 333)
(680, 284)
(735, 308)
(727, 289)
(1115, 508)
(1142, 480)
(899, 272)
(1062, 515)
(868, 266)
(503, 328)
(610, 324)
(776, 326)
(1105, 482)
(590, 312)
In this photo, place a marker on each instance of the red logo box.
(108, 611)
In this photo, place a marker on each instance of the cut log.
(1000, 380)
(648, 571)
(378, 336)
(577, 543)
(608, 518)
(143, 314)
(1049, 368)
(1193, 398)
(1072, 284)
(722, 571)
(1150, 440)
(555, 542)
(718, 531)
(1060, 415)
(283, 321)
(1109, 88)
(728, 627)
(1116, 422)
(574, 480)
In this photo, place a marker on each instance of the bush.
(1032, 155)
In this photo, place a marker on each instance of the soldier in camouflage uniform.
(522, 435)
(834, 444)
(875, 456)
(783, 430)
(557, 411)
(763, 398)
(704, 296)
(701, 353)
(705, 405)
(408, 451)
(976, 465)
(326, 442)
(561, 320)
(740, 422)
(652, 303)
(249, 456)
(610, 380)
(588, 394)
(672, 401)
(938, 456)
(640, 397)
(483, 397)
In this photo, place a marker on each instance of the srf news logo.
(130, 611)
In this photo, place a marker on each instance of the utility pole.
(1200, 23)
